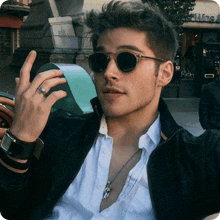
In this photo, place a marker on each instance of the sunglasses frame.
(115, 55)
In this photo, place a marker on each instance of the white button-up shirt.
(82, 199)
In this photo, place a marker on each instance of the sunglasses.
(126, 61)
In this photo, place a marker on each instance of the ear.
(165, 73)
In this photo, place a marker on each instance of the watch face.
(6, 142)
(16, 148)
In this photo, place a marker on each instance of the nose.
(112, 73)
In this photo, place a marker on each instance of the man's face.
(122, 93)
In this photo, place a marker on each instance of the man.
(209, 105)
(127, 160)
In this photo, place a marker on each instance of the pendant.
(107, 190)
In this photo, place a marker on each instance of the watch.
(17, 148)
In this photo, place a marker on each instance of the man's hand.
(32, 108)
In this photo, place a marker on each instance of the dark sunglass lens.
(98, 62)
(126, 61)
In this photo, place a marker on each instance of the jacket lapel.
(66, 162)
(168, 124)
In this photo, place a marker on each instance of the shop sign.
(211, 18)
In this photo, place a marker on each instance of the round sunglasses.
(126, 61)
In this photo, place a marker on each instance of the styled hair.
(160, 34)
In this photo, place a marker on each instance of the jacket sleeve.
(15, 189)
(204, 109)
(21, 194)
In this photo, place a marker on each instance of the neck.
(127, 129)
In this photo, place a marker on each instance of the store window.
(211, 37)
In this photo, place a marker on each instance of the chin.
(114, 112)
(115, 109)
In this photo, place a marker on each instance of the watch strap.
(18, 149)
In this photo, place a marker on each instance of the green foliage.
(176, 11)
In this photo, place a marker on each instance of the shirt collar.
(103, 126)
(153, 132)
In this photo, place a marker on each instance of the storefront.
(199, 54)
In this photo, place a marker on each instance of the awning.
(201, 25)
(9, 21)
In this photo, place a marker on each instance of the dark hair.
(161, 36)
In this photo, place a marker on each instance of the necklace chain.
(108, 187)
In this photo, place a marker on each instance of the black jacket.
(183, 171)
(209, 106)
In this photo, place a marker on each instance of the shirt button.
(99, 187)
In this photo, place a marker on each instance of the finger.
(48, 84)
(26, 68)
(54, 97)
(43, 78)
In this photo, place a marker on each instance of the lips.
(112, 93)
(112, 90)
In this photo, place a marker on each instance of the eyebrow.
(130, 47)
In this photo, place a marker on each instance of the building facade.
(12, 16)
(198, 57)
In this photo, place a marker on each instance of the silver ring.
(41, 89)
